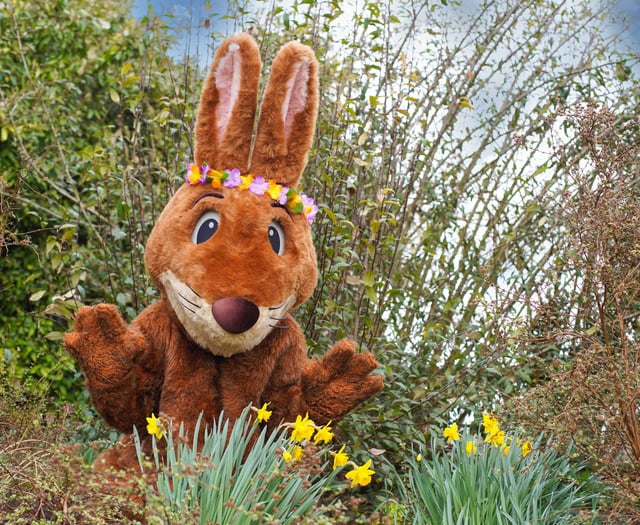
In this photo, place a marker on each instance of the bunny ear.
(228, 105)
(287, 116)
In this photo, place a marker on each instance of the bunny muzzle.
(227, 326)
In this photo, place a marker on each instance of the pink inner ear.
(228, 77)
(296, 97)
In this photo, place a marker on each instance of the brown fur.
(160, 363)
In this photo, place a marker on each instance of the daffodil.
(340, 458)
(323, 435)
(490, 424)
(155, 426)
(262, 414)
(298, 452)
(419, 458)
(471, 447)
(451, 433)
(497, 438)
(286, 455)
(527, 447)
(303, 429)
(360, 475)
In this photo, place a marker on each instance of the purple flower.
(309, 208)
(233, 180)
(284, 197)
(259, 186)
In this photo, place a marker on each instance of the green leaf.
(36, 296)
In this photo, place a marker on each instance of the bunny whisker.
(187, 308)
(278, 326)
(194, 292)
(281, 305)
(195, 305)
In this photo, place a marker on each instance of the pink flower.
(259, 186)
(233, 180)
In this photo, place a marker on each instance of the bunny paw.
(340, 381)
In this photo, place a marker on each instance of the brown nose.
(235, 314)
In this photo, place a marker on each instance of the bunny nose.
(235, 314)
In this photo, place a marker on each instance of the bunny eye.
(206, 227)
(276, 237)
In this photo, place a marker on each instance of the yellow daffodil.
(340, 458)
(506, 449)
(155, 426)
(490, 424)
(303, 429)
(360, 475)
(262, 414)
(451, 433)
(286, 455)
(527, 447)
(298, 452)
(497, 438)
(323, 435)
(419, 458)
(471, 447)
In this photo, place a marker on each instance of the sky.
(182, 12)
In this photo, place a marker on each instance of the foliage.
(44, 478)
(484, 480)
(440, 197)
(92, 125)
(243, 475)
(590, 396)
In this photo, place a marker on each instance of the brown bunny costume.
(230, 264)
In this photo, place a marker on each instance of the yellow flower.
(471, 447)
(497, 438)
(262, 413)
(274, 190)
(506, 449)
(490, 424)
(155, 426)
(216, 178)
(193, 174)
(246, 181)
(323, 434)
(286, 455)
(360, 475)
(339, 458)
(451, 433)
(302, 429)
(298, 452)
(527, 447)
(419, 458)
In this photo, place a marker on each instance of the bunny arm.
(325, 388)
(122, 365)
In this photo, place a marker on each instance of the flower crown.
(283, 195)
